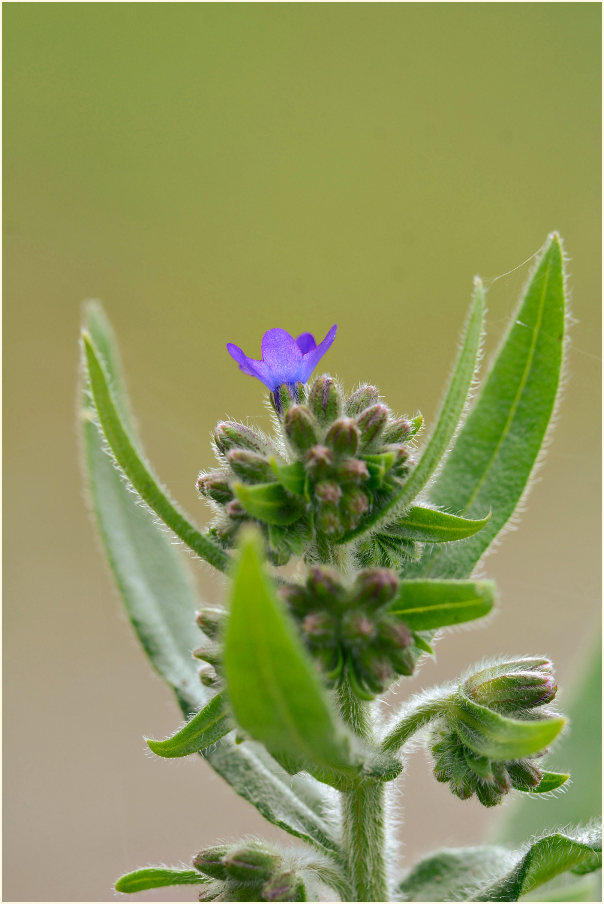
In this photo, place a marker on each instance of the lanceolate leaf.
(551, 781)
(160, 599)
(157, 877)
(447, 422)
(452, 874)
(154, 582)
(492, 873)
(496, 450)
(207, 727)
(131, 462)
(500, 738)
(433, 526)
(425, 605)
(578, 851)
(273, 686)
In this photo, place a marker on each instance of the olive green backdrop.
(210, 171)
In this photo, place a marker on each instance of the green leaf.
(207, 727)
(268, 502)
(150, 571)
(495, 453)
(551, 781)
(292, 476)
(453, 874)
(295, 803)
(425, 605)
(578, 851)
(378, 466)
(124, 449)
(567, 887)
(492, 873)
(447, 423)
(157, 877)
(159, 595)
(488, 733)
(273, 686)
(433, 526)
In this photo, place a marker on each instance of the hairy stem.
(415, 719)
(364, 840)
(363, 814)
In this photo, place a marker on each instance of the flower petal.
(306, 342)
(312, 358)
(281, 354)
(249, 366)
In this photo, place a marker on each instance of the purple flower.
(284, 359)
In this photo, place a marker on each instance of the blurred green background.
(210, 171)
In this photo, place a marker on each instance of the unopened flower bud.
(324, 400)
(323, 584)
(501, 779)
(403, 660)
(328, 491)
(210, 621)
(364, 397)
(301, 428)
(343, 437)
(286, 886)
(397, 431)
(231, 435)
(250, 466)
(215, 485)
(319, 627)
(357, 628)
(524, 775)
(251, 865)
(225, 533)
(331, 661)
(371, 423)
(395, 634)
(236, 511)
(353, 506)
(296, 598)
(208, 675)
(375, 587)
(513, 690)
(319, 460)
(286, 395)
(329, 521)
(353, 470)
(376, 670)
(209, 652)
(211, 861)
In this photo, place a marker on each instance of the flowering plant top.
(284, 359)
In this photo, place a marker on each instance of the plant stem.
(416, 719)
(363, 814)
(364, 839)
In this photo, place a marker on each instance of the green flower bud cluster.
(336, 460)
(513, 688)
(247, 873)
(211, 621)
(349, 629)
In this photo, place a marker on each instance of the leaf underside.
(493, 873)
